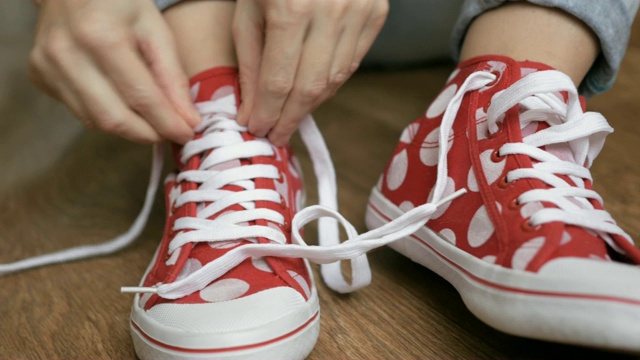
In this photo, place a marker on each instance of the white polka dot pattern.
(224, 290)
(190, 266)
(301, 281)
(397, 170)
(453, 74)
(448, 235)
(223, 244)
(430, 148)
(449, 189)
(261, 264)
(529, 209)
(491, 169)
(472, 183)
(438, 106)
(527, 251)
(409, 133)
(406, 205)
(480, 229)
(173, 258)
(194, 90)
(223, 92)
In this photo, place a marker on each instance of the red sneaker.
(230, 190)
(528, 247)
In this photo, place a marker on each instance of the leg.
(204, 32)
(524, 31)
(525, 241)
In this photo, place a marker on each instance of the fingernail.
(241, 118)
(195, 117)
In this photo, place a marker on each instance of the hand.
(115, 66)
(295, 54)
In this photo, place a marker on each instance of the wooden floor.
(62, 186)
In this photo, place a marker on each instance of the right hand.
(114, 64)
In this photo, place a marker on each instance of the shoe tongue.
(214, 84)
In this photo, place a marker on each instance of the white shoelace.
(584, 131)
(222, 134)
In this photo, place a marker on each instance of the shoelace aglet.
(138, 289)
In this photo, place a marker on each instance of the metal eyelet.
(496, 157)
(503, 183)
(527, 227)
(514, 204)
(494, 81)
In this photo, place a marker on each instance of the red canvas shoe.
(230, 190)
(528, 247)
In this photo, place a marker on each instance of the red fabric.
(205, 86)
(485, 222)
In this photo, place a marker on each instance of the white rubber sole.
(556, 305)
(295, 345)
(292, 336)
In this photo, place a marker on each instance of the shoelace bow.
(585, 132)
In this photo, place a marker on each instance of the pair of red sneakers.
(527, 245)
(490, 189)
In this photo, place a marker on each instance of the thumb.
(157, 47)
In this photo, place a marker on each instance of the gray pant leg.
(163, 4)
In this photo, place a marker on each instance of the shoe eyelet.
(496, 157)
(503, 183)
(283, 203)
(527, 227)
(281, 177)
(514, 204)
(495, 81)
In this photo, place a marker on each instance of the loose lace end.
(451, 197)
(138, 289)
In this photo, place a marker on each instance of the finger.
(374, 24)
(248, 40)
(161, 55)
(92, 98)
(282, 50)
(61, 92)
(344, 63)
(133, 81)
(311, 78)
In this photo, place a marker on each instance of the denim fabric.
(610, 20)
(163, 4)
(442, 35)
